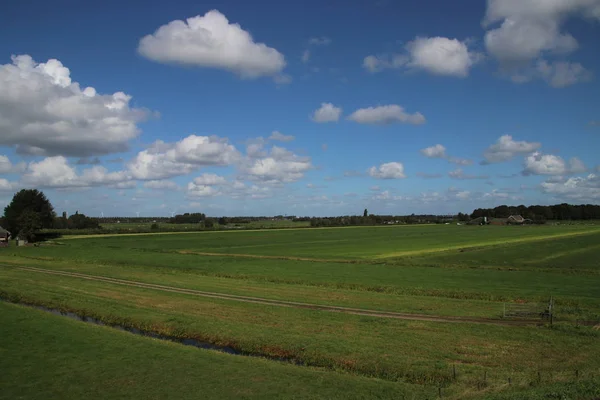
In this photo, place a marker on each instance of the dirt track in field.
(281, 303)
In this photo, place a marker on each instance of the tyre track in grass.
(281, 303)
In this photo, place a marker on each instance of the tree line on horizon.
(540, 214)
(30, 211)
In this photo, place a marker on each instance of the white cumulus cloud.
(279, 166)
(44, 112)
(436, 55)
(212, 41)
(549, 164)
(209, 179)
(506, 148)
(578, 189)
(384, 115)
(437, 151)
(7, 167)
(55, 172)
(164, 160)
(391, 170)
(195, 190)
(561, 73)
(7, 186)
(523, 31)
(327, 113)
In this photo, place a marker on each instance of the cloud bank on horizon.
(220, 114)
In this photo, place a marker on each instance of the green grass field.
(445, 271)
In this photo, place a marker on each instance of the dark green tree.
(81, 221)
(366, 213)
(24, 204)
(29, 223)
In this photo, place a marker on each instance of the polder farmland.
(359, 312)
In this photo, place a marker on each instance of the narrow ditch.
(135, 331)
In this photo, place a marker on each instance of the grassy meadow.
(443, 270)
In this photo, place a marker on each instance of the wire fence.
(542, 310)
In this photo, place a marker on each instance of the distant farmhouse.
(511, 220)
(4, 236)
(516, 220)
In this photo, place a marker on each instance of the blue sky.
(305, 108)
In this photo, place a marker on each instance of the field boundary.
(69, 237)
(282, 303)
(484, 244)
(273, 257)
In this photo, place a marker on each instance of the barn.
(515, 220)
(4, 235)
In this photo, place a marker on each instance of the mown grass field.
(447, 270)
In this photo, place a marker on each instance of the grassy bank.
(50, 357)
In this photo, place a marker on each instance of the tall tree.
(25, 204)
(366, 213)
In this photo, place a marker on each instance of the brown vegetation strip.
(281, 303)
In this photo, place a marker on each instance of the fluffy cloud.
(327, 113)
(55, 172)
(212, 41)
(164, 160)
(7, 167)
(548, 164)
(276, 135)
(161, 185)
(529, 30)
(437, 55)
(388, 114)
(43, 112)
(7, 186)
(460, 174)
(437, 151)
(280, 166)
(577, 189)
(506, 148)
(561, 74)
(195, 190)
(209, 179)
(391, 170)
